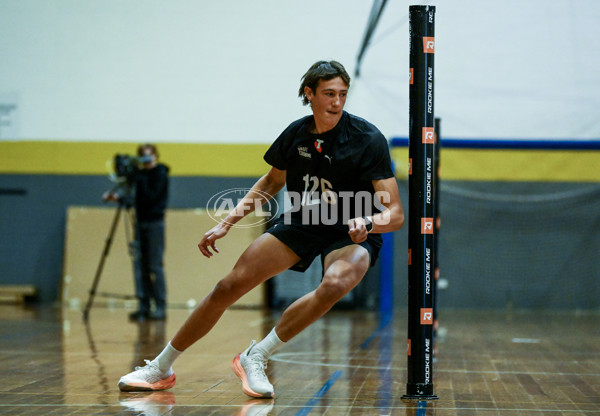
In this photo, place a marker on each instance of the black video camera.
(127, 166)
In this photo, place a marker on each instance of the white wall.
(229, 70)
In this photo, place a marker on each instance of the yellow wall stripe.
(246, 160)
(512, 165)
(95, 158)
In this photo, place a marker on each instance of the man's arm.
(390, 219)
(269, 184)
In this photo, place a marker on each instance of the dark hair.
(142, 147)
(322, 70)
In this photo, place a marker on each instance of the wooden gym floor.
(488, 363)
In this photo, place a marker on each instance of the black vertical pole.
(436, 235)
(421, 191)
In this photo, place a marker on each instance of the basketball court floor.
(487, 363)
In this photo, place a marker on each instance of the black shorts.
(309, 241)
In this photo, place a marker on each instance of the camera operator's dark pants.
(149, 271)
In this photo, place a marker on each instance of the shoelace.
(150, 366)
(150, 372)
(258, 367)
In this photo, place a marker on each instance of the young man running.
(338, 174)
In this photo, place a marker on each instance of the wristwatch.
(368, 224)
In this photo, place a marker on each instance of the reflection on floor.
(488, 363)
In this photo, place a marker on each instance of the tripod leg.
(105, 252)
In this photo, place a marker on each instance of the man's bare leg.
(344, 269)
(263, 259)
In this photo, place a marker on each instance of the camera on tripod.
(125, 171)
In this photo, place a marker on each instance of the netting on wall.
(524, 245)
(502, 244)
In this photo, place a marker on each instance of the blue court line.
(386, 273)
(318, 395)
(515, 144)
(421, 408)
(385, 319)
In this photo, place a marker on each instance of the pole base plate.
(419, 397)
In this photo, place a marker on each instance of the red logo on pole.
(411, 76)
(410, 166)
(426, 225)
(428, 44)
(426, 316)
(428, 135)
(409, 347)
(409, 256)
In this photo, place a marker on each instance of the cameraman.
(150, 185)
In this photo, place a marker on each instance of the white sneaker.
(147, 378)
(250, 368)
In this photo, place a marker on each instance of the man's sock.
(166, 358)
(268, 345)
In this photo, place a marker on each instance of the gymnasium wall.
(519, 224)
(523, 234)
(228, 71)
(213, 83)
